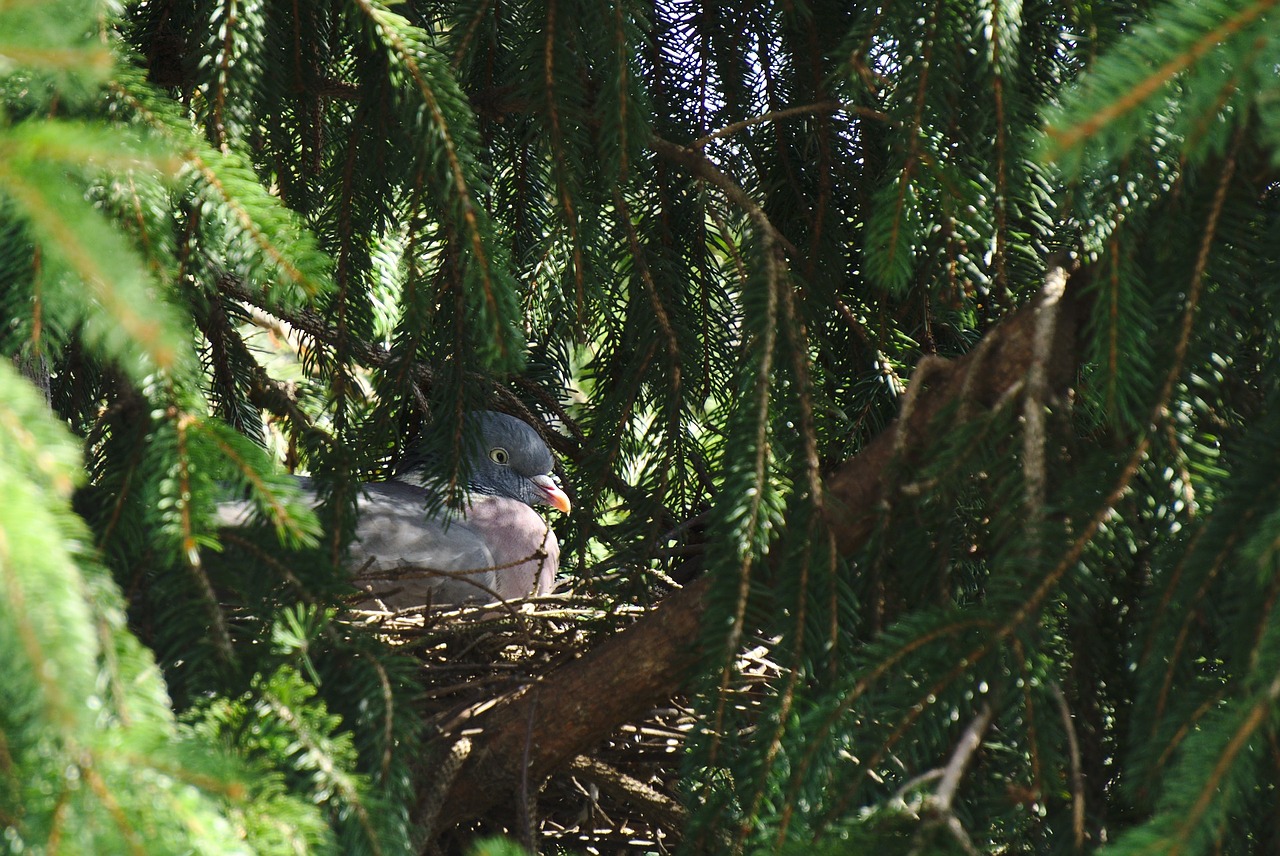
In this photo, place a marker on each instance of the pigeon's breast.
(405, 556)
(524, 548)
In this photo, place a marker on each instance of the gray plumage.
(496, 546)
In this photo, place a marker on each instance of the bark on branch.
(571, 709)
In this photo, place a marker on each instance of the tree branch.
(576, 706)
(584, 700)
(630, 790)
(1077, 774)
(701, 167)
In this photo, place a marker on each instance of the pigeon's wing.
(233, 514)
(406, 558)
(400, 555)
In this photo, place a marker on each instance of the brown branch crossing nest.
(620, 796)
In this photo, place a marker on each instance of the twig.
(702, 167)
(1077, 775)
(937, 808)
(660, 807)
(528, 825)
(1037, 390)
(954, 771)
(774, 115)
(432, 798)
(900, 795)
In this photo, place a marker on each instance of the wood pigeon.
(495, 546)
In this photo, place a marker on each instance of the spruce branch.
(817, 538)
(312, 324)
(759, 471)
(1000, 281)
(188, 552)
(557, 146)
(269, 559)
(319, 753)
(651, 290)
(1208, 237)
(481, 9)
(778, 291)
(701, 167)
(632, 671)
(133, 838)
(407, 54)
(1063, 140)
(1258, 714)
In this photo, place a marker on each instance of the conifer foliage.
(931, 344)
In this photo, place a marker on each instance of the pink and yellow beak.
(552, 494)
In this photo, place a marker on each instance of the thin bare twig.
(937, 808)
(1036, 390)
(528, 820)
(1077, 774)
(801, 109)
(960, 757)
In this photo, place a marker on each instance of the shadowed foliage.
(910, 365)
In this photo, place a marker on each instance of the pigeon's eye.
(499, 456)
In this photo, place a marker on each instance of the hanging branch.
(701, 167)
(375, 356)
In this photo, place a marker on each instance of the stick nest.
(619, 798)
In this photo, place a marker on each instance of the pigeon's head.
(505, 457)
